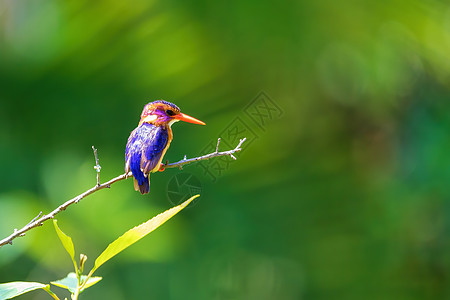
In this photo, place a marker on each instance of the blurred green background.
(341, 192)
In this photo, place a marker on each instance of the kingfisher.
(150, 140)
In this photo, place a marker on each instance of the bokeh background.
(342, 190)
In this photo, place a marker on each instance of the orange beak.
(189, 119)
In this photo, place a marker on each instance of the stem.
(79, 285)
(87, 278)
(77, 292)
(47, 289)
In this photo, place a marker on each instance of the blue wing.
(144, 152)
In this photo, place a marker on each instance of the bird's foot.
(162, 167)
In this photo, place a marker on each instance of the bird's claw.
(162, 167)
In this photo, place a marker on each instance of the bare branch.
(51, 215)
(185, 161)
(39, 219)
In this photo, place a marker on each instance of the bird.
(149, 141)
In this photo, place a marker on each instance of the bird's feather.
(145, 149)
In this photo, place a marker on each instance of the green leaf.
(70, 282)
(67, 243)
(13, 289)
(65, 240)
(133, 235)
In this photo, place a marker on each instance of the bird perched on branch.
(149, 142)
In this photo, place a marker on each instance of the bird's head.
(162, 113)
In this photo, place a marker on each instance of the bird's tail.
(141, 181)
(144, 188)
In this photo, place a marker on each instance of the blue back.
(145, 147)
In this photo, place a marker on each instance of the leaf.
(70, 282)
(13, 289)
(67, 242)
(135, 234)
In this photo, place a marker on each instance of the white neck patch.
(172, 121)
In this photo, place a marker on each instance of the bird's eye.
(170, 112)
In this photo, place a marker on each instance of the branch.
(185, 161)
(39, 219)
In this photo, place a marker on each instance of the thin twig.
(34, 219)
(97, 167)
(39, 220)
(217, 147)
